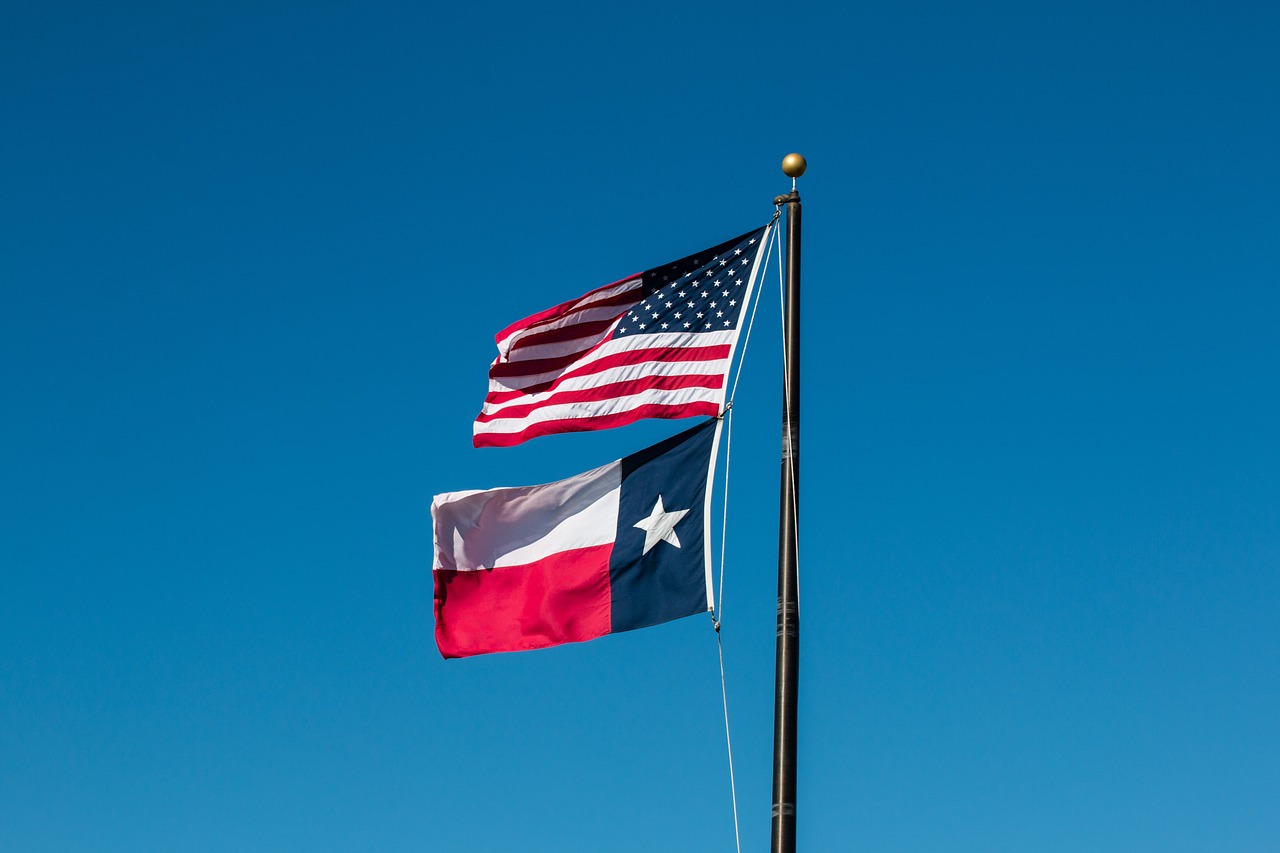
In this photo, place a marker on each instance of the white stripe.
(613, 374)
(562, 349)
(607, 312)
(493, 528)
(602, 408)
(656, 340)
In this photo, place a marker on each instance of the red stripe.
(564, 598)
(610, 391)
(649, 410)
(618, 359)
(570, 325)
(575, 332)
(560, 310)
(509, 370)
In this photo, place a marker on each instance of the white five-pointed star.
(660, 526)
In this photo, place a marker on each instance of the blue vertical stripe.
(669, 581)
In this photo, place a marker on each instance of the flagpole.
(787, 660)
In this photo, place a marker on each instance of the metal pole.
(787, 661)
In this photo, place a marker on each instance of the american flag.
(654, 345)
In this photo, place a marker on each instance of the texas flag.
(617, 548)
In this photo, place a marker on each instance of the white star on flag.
(660, 526)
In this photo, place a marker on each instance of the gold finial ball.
(793, 165)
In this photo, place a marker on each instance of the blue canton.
(701, 293)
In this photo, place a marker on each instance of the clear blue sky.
(252, 257)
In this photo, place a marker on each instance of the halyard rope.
(724, 526)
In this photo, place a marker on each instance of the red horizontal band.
(650, 410)
(560, 599)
